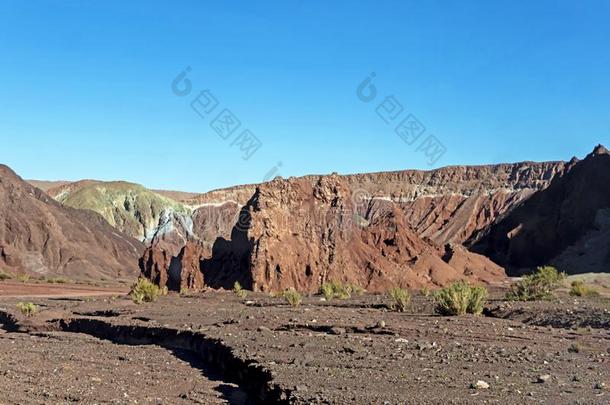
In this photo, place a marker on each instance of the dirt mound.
(567, 224)
(40, 237)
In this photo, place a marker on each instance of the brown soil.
(352, 351)
(59, 367)
(16, 289)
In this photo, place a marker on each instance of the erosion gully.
(214, 355)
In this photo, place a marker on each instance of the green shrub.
(27, 308)
(146, 291)
(292, 297)
(24, 278)
(400, 299)
(239, 291)
(537, 286)
(57, 280)
(580, 289)
(460, 298)
(327, 291)
(336, 289)
(425, 292)
(5, 276)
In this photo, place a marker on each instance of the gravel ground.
(58, 368)
(352, 351)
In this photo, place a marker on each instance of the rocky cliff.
(40, 237)
(567, 224)
(295, 233)
(375, 230)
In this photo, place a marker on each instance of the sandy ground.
(44, 290)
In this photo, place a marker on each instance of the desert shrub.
(24, 278)
(574, 348)
(537, 286)
(27, 308)
(336, 289)
(580, 289)
(425, 292)
(400, 299)
(146, 291)
(5, 276)
(57, 280)
(292, 297)
(327, 291)
(460, 298)
(239, 291)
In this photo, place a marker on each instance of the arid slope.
(41, 237)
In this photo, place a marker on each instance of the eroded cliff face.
(448, 205)
(299, 234)
(567, 224)
(374, 230)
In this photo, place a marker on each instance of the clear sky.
(86, 86)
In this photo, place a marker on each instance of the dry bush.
(336, 289)
(239, 291)
(460, 298)
(292, 297)
(400, 299)
(146, 291)
(537, 286)
(5, 276)
(580, 289)
(27, 308)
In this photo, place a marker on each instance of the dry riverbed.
(217, 347)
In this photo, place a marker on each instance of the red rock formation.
(567, 224)
(40, 237)
(302, 232)
(295, 234)
(177, 272)
(155, 264)
(448, 205)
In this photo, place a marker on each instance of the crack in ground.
(215, 359)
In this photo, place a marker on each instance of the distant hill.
(129, 207)
(42, 238)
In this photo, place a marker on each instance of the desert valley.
(462, 284)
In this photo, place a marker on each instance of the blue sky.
(86, 87)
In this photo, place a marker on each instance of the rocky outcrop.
(293, 233)
(178, 273)
(567, 224)
(448, 205)
(40, 237)
(374, 230)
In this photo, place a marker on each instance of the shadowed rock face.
(181, 272)
(567, 224)
(40, 237)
